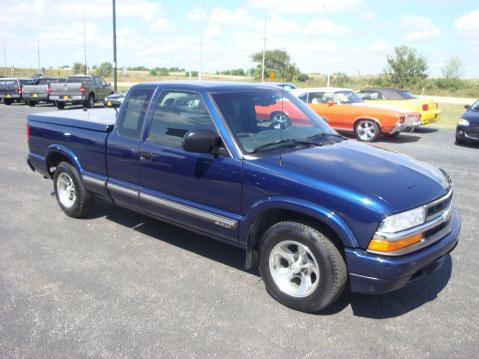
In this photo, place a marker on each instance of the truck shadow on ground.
(389, 305)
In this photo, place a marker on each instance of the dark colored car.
(11, 89)
(468, 125)
(114, 100)
(315, 212)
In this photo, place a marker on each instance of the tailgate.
(66, 89)
(35, 89)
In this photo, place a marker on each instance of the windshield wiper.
(323, 135)
(282, 144)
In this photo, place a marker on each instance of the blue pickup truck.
(253, 166)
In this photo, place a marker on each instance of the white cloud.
(420, 28)
(379, 46)
(468, 22)
(212, 32)
(306, 6)
(194, 15)
(368, 15)
(324, 27)
(229, 17)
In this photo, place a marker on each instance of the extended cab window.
(175, 114)
(130, 121)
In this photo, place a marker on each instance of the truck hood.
(393, 180)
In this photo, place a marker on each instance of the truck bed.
(79, 135)
(100, 120)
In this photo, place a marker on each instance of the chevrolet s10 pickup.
(314, 211)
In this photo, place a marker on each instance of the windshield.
(26, 82)
(8, 83)
(475, 106)
(262, 118)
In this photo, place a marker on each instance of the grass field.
(449, 115)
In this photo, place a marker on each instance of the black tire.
(372, 136)
(8, 102)
(90, 102)
(332, 268)
(60, 105)
(83, 200)
(460, 142)
(31, 103)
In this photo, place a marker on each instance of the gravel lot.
(121, 285)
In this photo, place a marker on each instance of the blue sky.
(331, 35)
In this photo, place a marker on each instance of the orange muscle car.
(346, 111)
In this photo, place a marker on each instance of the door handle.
(145, 156)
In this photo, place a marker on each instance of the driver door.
(201, 191)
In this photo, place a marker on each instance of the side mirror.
(467, 107)
(201, 141)
(330, 103)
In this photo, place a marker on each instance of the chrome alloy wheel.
(366, 130)
(66, 190)
(294, 268)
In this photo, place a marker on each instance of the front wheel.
(60, 105)
(31, 103)
(367, 131)
(301, 267)
(70, 193)
(8, 102)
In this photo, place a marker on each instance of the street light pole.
(115, 79)
(264, 52)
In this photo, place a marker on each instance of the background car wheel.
(8, 102)
(31, 103)
(70, 193)
(60, 105)
(460, 141)
(279, 120)
(410, 129)
(367, 130)
(301, 267)
(90, 103)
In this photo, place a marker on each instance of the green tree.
(105, 69)
(277, 62)
(453, 68)
(406, 68)
(78, 68)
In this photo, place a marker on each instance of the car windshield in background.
(8, 83)
(268, 120)
(344, 97)
(26, 82)
(475, 106)
(407, 95)
(79, 79)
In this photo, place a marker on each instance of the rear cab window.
(132, 117)
(80, 79)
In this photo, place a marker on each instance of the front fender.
(329, 218)
(65, 151)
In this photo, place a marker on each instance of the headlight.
(401, 221)
(463, 122)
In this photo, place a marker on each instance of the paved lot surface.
(121, 285)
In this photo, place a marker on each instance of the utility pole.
(84, 40)
(5, 57)
(201, 41)
(264, 51)
(115, 79)
(38, 54)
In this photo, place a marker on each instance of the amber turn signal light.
(382, 245)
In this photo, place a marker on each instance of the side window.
(319, 97)
(175, 114)
(97, 80)
(130, 121)
(304, 97)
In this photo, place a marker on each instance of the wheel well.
(368, 119)
(53, 160)
(272, 216)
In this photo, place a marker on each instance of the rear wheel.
(90, 103)
(8, 102)
(60, 105)
(70, 193)
(367, 130)
(301, 267)
(31, 103)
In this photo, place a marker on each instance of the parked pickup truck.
(39, 91)
(11, 89)
(80, 89)
(315, 211)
